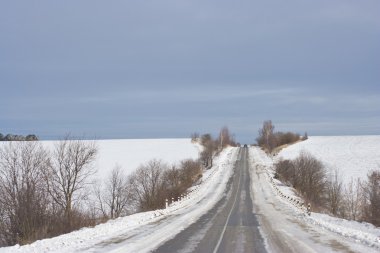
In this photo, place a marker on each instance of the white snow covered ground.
(352, 156)
(143, 232)
(131, 153)
(276, 199)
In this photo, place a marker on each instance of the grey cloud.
(117, 68)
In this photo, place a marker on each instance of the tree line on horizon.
(16, 137)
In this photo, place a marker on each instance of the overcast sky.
(153, 69)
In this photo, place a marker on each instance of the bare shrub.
(24, 203)
(191, 171)
(311, 178)
(371, 208)
(353, 196)
(285, 171)
(174, 184)
(113, 196)
(146, 185)
(209, 148)
(69, 174)
(335, 195)
(307, 175)
(286, 138)
(179, 179)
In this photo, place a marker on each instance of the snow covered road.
(234, 209)
(230, 226)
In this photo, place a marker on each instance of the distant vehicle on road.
(245, 145)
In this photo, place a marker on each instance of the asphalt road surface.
(231, 226)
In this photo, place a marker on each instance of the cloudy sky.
(167, 68)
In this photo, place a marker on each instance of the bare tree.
(147, 186)
(113, 198)
(174, 181)
(194, 137)
(286, 172)
(308, 176)
(266, 136)
(335, 195)
(23, 199)
(225, 137)
(371, 208)
(178, 179)
(69, 173)
(311, 178)
(353, 198)
(191, 171)
(209, 147)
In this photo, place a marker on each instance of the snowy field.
(352, 156)
(144, 231)
(131, 153)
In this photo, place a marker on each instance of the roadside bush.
(191, 171)
(307, 175)
(358, 200)
(147, 186)
(152, 183)
(209, 148)
(174, 184)
(285, 171)
(286, 138)
(311, 180)
(371, 207)
(335, 200)
(353, 199)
